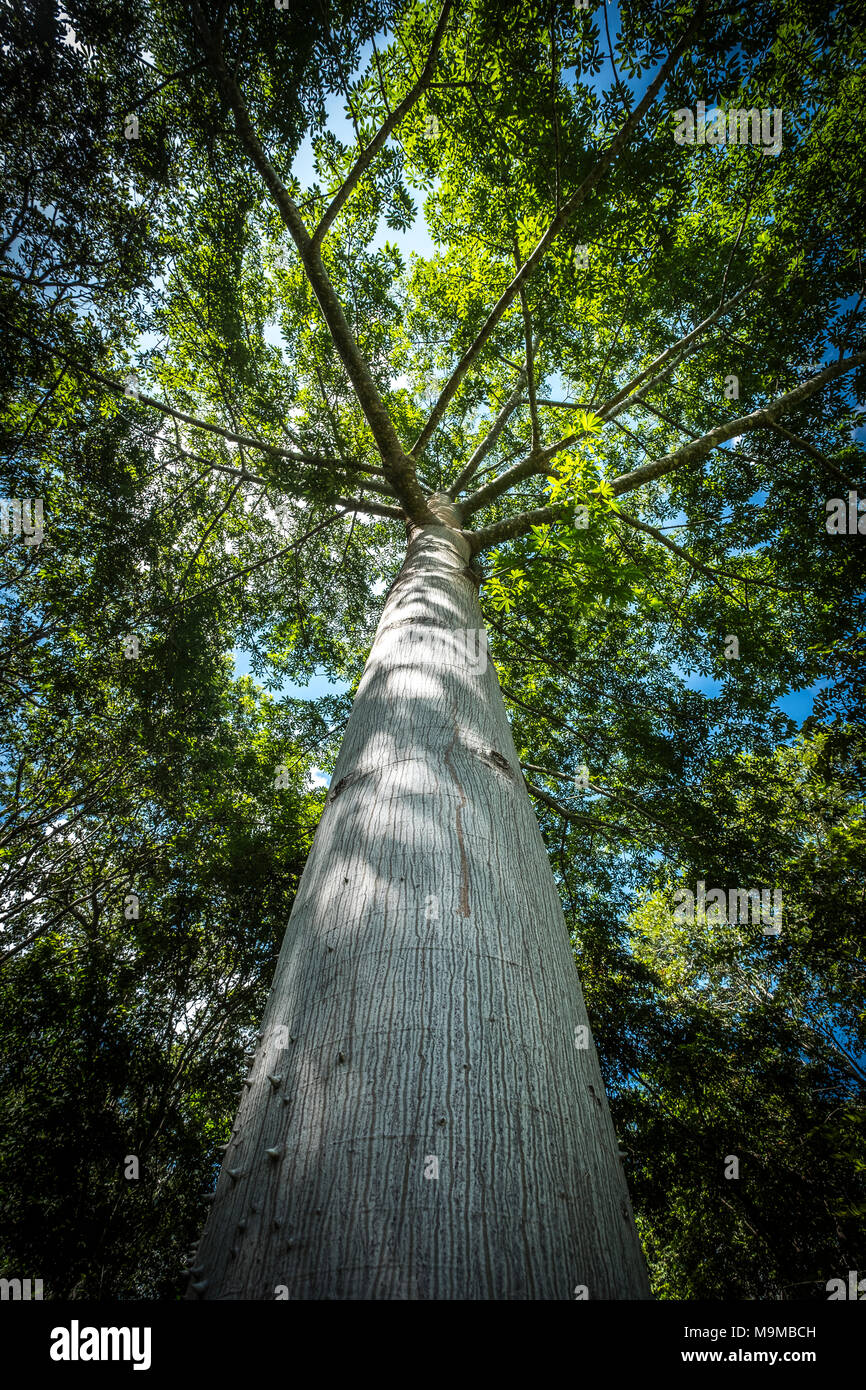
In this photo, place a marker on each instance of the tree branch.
(699, 448)
(606, 792)
(815, 454)
(697, 564)
(514, 526)
(607, 827)
(607, 408)
(559, 221)
(674, 549)
(118, 389)
(554, 80)
(247, 477)
(522, 523)
(269, 559)
(532, 463)
(668, 419)
(624, 400)
(490, 438)
(530, 370)
(211, 524)
(399, 467)
(755, 181)
(365, 159)
(359, 504)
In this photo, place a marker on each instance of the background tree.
(764, 1055)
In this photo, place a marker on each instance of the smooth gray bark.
(425, 1006)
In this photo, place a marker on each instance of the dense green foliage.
(151, 286)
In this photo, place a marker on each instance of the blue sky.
(318, 686)
(797, 704)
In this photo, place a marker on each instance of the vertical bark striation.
(423, 1015)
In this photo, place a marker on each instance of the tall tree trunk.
(423, 1118)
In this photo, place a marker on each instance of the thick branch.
(229, 435)
(524, 468)
(624, 400)
(514, 526)
(119, 390)
(490, 438)
(699, 448)
(364, 160)
(247, 477)
(523, 522)
(559, 221)
(606, 827)
(399, 468)
(607, 409)
(530, 357)
(360, 504)
(241, 473)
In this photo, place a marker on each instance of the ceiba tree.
(425, 1116)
